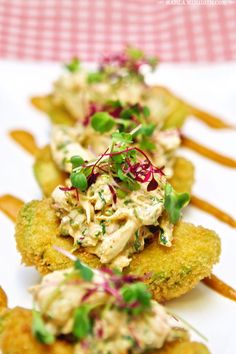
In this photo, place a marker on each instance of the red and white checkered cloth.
(60, 29)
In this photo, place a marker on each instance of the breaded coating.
(16, 335)
(177, 269)
(170, 272)
(17, 338)
(184, 347)
(3, 299)
(49, 176)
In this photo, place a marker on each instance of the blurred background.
(173, 30)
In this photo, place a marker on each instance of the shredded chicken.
(87, 143)
(61, 293)
(112, 231)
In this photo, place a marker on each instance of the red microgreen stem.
(113, 192)
(65, 253)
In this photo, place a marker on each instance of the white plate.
(210, 87)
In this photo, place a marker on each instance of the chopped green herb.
(162, 237)
(174, 202)
(109, 212)
(97, 233)
(155, 199)
(137, 243)
(39, 329)
(130, 339)
(103, 227)
(128, 201)
(100, 193)
(85, 230)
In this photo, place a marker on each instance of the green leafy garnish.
(79, 181)
(39, 329)
(102, 122)
(73, 66)
(82, 323)
(122, 138)
(126, 164)
(146, 111)
(137, 293)
(146, 144)
(95, 77)
(135, 53)
(174, 202)
(85, 272)
(147, 129)
(114, 103)
(121, 194)
(76, 161)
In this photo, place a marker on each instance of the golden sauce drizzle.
(25, 140)
(206, 152)
(222, 288)
(209, 119)
(10, 206)
(211, 209)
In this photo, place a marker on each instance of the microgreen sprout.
(126, 292)
(174, 202)
(125, 118)
(127, 64)
(73, 66)
(125, 164)
(39, 329)
(102, 122)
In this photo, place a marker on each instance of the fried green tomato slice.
(49, 176)
(171, 110)
(3, 299)
(46, 172)
(16, 338)
(57, 114)
(170, 272)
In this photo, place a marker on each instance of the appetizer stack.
(108, 235)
